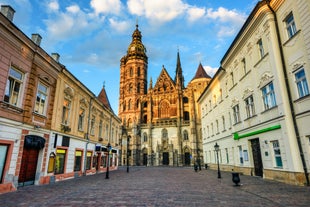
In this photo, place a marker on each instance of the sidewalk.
(160, 186)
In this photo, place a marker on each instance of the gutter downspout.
(289, 95)
(87, 136)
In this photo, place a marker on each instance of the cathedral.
(161, 122)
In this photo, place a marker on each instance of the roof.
(201, 73)
(103, 98)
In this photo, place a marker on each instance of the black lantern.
(217, 148)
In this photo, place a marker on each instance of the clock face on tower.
(132, 48)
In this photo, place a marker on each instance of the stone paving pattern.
(160, 186)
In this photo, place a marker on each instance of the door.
(28, 167)
(166, 158)
(257, 157)
(144, 159)
(187, 158)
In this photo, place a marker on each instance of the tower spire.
(178, 73)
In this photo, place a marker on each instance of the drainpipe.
(87, 135)
(289, 95)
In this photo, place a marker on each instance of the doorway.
(166, 158)
(28, 167)
(144, 159)
(257, 157)
(187, 158)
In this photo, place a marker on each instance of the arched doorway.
(144, 155)
(187, 156)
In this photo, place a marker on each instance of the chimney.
(8, 11)
(36, 38)
(55, 56)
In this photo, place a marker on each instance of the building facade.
(256, 107)
(44, 139)
(161, 123)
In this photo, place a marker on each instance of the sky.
(91, 36)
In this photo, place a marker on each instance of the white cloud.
(119, 26)
(73, 8)
(225, 15)
(106, 6)
(157, 11)
(195, 13)
(53, 5)
(210, 71)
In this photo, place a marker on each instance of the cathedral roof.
(103, 98)
(136, 48)
(201, 73)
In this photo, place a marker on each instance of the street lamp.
(217, 148)
(127, 159)
(108, 162)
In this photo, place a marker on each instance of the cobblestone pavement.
(160, 186)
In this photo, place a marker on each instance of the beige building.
(256, 107)
(160, 121)
(51, 126)
(82, 127)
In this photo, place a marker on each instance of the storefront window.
(78, 160)
(60, 161)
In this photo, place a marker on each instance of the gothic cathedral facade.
(161, 123)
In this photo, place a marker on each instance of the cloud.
(106, 6)
(53, 6)
(159, 11)
(73, 9)
(119, 26)
(195, 13)
(210, 70)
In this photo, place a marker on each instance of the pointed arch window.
(185, 135)
(138, 88)
(138, 71)
(164, 109)
(129, 105)
(144, 137)
(164, 134)
(130, 72)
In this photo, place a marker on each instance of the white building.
(256, 107)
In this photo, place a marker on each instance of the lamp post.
(108, 162)
(127, 159)
(217, 148)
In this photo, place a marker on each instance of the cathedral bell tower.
(133, 81)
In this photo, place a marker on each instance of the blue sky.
(92, 36)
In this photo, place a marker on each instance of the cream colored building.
(256, 107)
(82, 127)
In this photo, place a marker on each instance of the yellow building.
(83, 128)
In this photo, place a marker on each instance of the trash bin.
(235, 178)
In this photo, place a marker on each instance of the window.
(269, 97)
(261, 48)
(95, 160)
(290, 25)
(13, 87)
(249, 106)
(129, 105)
(185, 135)
(41, 100)
(103, 161)
(131, 72)
(227, 155)
(236, 114)
(60, 161)
(92, 126)
(217, 127)
(78, 160)
(301, 83)
(243, 63)
(144, 137)
(223, 122)
(164, 134)
(81, 119)
(88, 160)
(138, 88)
(232, 79)
(100, 129)
(106, 131)
(277, 153)
(138, 71)
(66, 111)
(240, 155)
(3, 156)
